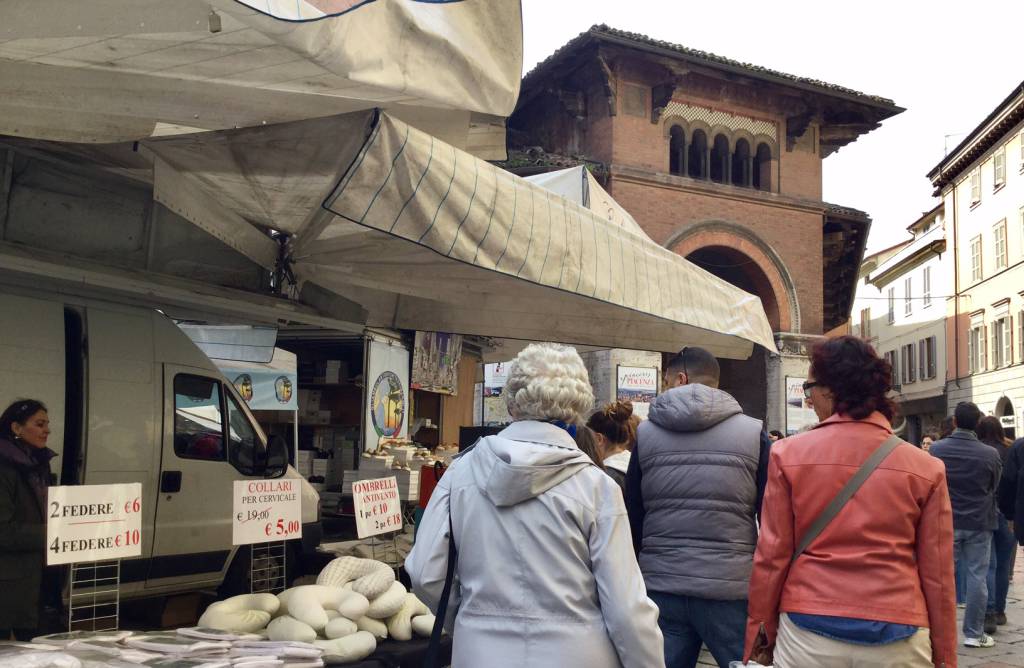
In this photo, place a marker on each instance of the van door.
(208, 443)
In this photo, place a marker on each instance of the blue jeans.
(688, 621)
(999, 566)
(971, 550)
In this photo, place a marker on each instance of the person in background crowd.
(990, 432)
(875, 587)
(775, 435)
(544, 573)
(693, 489)
(586, 441)
(946, 427)
(631, 426)
(972, 473)
(927, 440)
(611, 426)
(24, 478)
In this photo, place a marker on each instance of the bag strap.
(846, 493)
(434, 647)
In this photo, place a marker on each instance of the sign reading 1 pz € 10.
(266, 511)
(378, 506)
(93, 523)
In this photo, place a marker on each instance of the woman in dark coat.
(24, 477)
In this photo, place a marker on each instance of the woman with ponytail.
(615, 434)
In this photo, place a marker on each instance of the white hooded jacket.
(545, 573)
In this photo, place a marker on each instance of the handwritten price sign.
(266, 511)
(93, 523)
(378, 506)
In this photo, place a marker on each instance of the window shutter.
(922, 358)
(931, 357)
(983, 366)
(1008, 343)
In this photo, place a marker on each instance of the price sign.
(266, 511)
(93, 523)
(378, 506)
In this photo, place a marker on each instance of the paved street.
(1009, 648)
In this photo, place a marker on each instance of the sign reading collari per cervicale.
(266, 511)
(93, 523)
(378, 506)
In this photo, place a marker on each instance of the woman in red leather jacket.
(875, 588)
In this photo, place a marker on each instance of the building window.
(1022, 150)
(893, 361)
(677, 151)
(999, 234)
(697, 156)
(909, 367)
(1021, 215)
(742, 163)
(926, 287)
(999, 169)
(1002, 352)
(865, 323)
(720, 158)
(976, 258)
(976, 349)
(1020, 336)
(762, 173)
(907, 297)
(892, 305)
(926, 358)
(975, 186)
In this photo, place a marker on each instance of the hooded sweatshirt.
(545, 572)
(693, 489)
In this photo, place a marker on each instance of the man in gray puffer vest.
(693, 488)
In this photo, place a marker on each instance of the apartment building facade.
(981, 183)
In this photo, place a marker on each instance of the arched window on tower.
(720, 159)
(763, 167)
(697, 156)
(741, 164)
(677, 151)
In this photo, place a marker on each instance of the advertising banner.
(266, 511)
(495, 377)
(272, 386)
(93, 523)
(387, 392)
(435, 362)
(378, 506)
(798, 415)
(637, 384)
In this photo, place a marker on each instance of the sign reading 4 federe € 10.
(93, 523)
(266, 511)
(378, 506)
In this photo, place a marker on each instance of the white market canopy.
(424, 236)
(103, 71)
(579, 185)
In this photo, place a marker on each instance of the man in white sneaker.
(972, 474)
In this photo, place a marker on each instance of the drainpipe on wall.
(956, 294)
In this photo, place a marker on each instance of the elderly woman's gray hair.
(547, 381)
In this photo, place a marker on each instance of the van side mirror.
(277, 457)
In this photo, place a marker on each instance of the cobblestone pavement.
(1008, 651)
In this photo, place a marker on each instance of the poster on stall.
(93, 522)
(798, 415)
(495, 377)
(266, 511)
(435, 362)
(478, 404)
(377, 505)
(638, 384)
(387, 392)
(270, 387)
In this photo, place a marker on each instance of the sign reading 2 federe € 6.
(266, 511)
(93, 523)
(378, 506)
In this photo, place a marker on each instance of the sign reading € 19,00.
(266, 511)
(93, 523)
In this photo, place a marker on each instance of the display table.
(410, 654)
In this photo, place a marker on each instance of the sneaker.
(990, 622)
(961, 606)
(1001, 618)
(984, 641)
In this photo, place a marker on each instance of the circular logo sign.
(244, 386)
(387, 405)
(283, 389)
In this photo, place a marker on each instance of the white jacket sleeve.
(630, 617)
(427, 563)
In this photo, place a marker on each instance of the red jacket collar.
(876, 419)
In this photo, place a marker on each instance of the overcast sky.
(948, 63)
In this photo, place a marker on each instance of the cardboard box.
(320, 467)
(309, 400)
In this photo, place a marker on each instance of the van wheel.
(275, 569)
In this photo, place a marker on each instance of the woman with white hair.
(545, 573)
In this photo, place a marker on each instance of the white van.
(132, 399)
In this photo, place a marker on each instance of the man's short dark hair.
(698, 364)
(967, 415)
(776, 433)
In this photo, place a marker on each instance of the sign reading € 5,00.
(93, 523)
(266, 511)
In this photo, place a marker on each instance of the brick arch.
(764, 272)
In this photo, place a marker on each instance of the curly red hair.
(859, 379)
